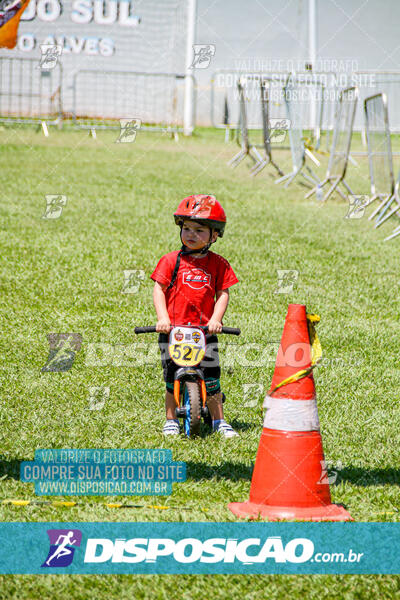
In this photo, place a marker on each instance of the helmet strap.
(185, 251)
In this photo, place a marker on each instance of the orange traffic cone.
(290, 479)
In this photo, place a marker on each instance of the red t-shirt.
(192, 297)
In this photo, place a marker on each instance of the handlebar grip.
(231, 330)
(147, 329)
(152, 329)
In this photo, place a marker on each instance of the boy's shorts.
(209, 364)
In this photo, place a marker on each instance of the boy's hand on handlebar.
(214, 326)
(163, 326)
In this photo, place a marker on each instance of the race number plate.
(187, 346)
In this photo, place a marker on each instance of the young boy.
(192, 288)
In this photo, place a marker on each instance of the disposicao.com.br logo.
(213, 550)
(114, 550)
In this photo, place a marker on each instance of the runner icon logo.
(63, 543)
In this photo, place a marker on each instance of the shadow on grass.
(227, 470)
(9, 469)
(358, 476)
(235, 471)
(242, 426)
(205, 430)
(368, 477)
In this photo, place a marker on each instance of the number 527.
(181, 352)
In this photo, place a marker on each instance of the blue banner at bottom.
(200, 548)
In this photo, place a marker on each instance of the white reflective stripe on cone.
(291, 415)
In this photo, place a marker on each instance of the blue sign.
(102, 472)
(200, 548)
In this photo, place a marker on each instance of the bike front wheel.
(192, 403)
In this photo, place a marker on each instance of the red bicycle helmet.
(203, 208)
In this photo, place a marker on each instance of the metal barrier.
(297, 146)
(29, 94)
(264, 104)
(224, 93)
(396, 230)
(368, 83)
(242, 133)
(379, 153)
(381, 161)
(101, 98)
(340, 150)
(223, 86)
(371, 83)
(308, 103)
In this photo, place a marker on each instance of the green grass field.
(66, 275)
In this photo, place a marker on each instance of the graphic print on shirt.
(196, 278)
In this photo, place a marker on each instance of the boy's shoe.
(225, 429)
(171, 427)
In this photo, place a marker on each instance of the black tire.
(192, 423)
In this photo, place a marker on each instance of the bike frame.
(191, 372)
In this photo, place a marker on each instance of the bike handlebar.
(149, 329)
(152, 329)
(230, 330)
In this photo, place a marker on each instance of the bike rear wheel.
(192, 403)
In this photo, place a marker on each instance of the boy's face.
(196, 235)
